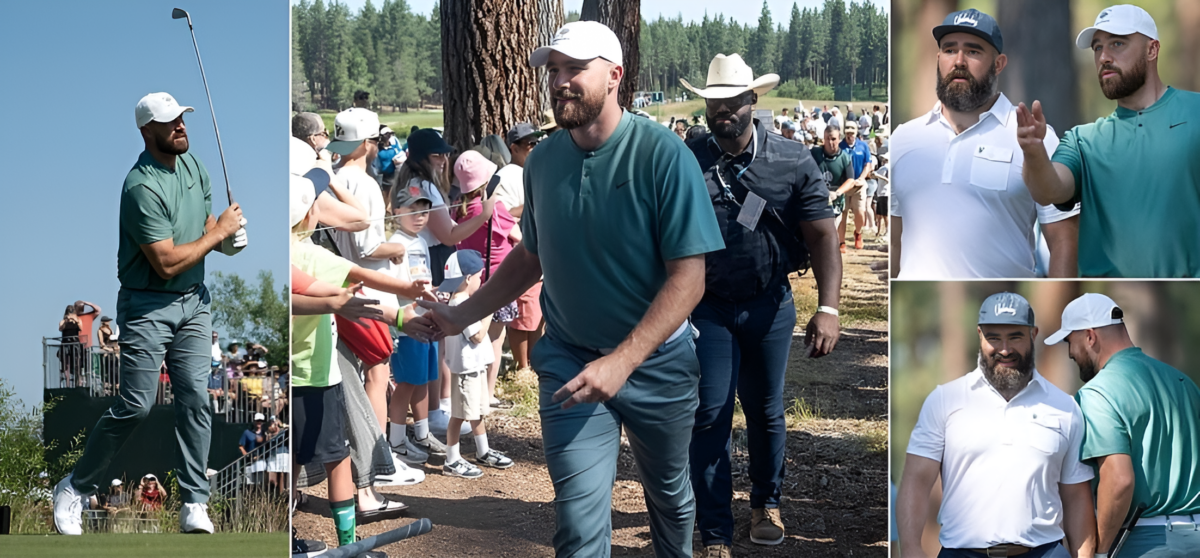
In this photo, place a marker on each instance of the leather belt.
(1002, 550)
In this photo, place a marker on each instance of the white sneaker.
(193, 518)
(68, 508)
(410, 453)
(404, 476)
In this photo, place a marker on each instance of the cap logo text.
(1002, 310)
(966, 19)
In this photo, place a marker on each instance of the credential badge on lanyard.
(751, 210)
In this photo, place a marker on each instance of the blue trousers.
(656, 406)
(157, 326)
(743, 350)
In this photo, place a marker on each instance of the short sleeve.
(430, 190)
(687, 224)
(301, 281)
(810, 196)
(1067, 154)
(928, 437)
(1106, 433)
(1073, 469)
(529, 216)
(1052, 214)
(145, 215)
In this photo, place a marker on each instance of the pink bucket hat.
(473, 171)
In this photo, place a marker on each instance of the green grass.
(801, 411)
(231, 545)
(399, 122)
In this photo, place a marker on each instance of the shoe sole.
(486, 464)
(766, 542)
(451, 474)
(388, 481)
(197, 531)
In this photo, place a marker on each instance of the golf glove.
(234, 244)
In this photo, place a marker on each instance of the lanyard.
(719, 168)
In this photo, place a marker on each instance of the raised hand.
(1031, 127)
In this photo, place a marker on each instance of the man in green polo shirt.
(617, 217)
(166, 230)
(1142, 434)
(1134, 171)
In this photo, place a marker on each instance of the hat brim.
(1084, 39)
(1058, 336)
(943, 30)
(540, 56)
(764, 83)
(533, 134)
(171, 116)
(451, 284)
(343, 147)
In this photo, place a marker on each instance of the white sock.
(444, 405)
(481, 447)
(452, 454)
(396, 434)
(421, 428)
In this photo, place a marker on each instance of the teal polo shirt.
(1138, 178)
(1146, 409)
(603, 223)
(158, 203)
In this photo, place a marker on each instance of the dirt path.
(835, 493)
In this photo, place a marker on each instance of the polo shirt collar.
(147, 159)
(1000, 111)
(609, 144)
(1123, 112)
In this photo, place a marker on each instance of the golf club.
(419, 527)
(182, 14)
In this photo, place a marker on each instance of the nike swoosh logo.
(1179, 124)
(621, 185)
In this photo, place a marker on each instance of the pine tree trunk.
(624, 18)
(1040, 43)
(550, 18)
(489, 85)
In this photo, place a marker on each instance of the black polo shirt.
(782, 173)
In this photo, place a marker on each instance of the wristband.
(400, 318)
(827, 310)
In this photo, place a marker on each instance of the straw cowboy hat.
(729, 76)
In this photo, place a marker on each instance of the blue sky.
(746, 12)
(75, 70)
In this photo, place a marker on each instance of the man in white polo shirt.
(1006, 443)
(959, 206)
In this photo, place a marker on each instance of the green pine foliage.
(255, 313)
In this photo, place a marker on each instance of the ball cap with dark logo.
(1119, 20)
(974, 22)
(1089, 311)
(1006, 309)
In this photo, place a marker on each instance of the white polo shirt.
(1002, 461)
(966, 210)
(356, 246)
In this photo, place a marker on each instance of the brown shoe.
(717, 551)
(765, 526)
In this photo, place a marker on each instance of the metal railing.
(243, 492)
(239, 398)
(124, 521)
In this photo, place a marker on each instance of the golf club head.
(177, 13)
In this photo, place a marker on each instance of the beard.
(171, 148)
(733, 129)
(1087, 369)
(1123, 85)
(965, 97)
(1004, 378)
(583, 111)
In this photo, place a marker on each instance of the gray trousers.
(156, 326)
(370, 454)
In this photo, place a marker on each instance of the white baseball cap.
(259, 416)
(301, 196)
(351, 127)
(1089, 311)
(1119, 20)
(115, 482)
(159, 107)
(581, 40)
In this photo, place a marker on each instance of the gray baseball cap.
(1006, 309)
(522, 131)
